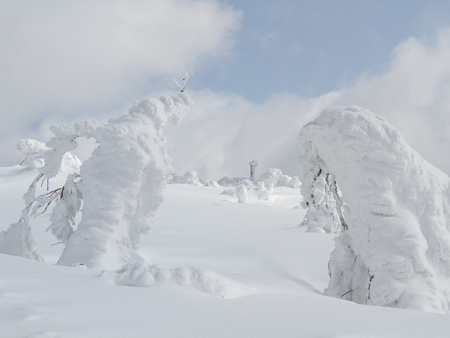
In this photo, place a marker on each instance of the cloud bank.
(67, 61)
(64, 60)
(224, 131)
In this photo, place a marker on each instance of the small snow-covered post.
(253, 164)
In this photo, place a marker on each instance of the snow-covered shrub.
(18, 241)
(28, 150)
(287, 181)
(320, 194)
(275, 178)
(270, 178)
(190, 177)
(395, 248)
(263, 193)
(242, 193)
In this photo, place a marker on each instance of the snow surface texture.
(139, 273)
(396, 249)
(257, 245)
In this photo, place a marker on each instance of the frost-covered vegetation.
(387, 209)
(394, 245)
(120, 185)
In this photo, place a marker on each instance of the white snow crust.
(395, 247)
(258, 247)
(139, 273)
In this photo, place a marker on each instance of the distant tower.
(253, 165)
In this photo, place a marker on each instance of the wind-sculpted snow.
(140, 274)
(394, 248)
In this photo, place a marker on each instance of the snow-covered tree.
(242, 193)
(28, 150)
(190, 177)
(395, 246)
(120, 185)
(320, 197)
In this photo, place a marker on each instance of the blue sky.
(313, 47)
(260, 70)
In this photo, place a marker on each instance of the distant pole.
(253, 165)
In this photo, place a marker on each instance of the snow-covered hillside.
(211, 268)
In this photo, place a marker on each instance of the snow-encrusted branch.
(185, 79)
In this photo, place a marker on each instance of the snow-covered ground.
(212, 267)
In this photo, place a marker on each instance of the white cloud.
(65, 58)
(225, 132)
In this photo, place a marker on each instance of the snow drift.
(141, 274)
(394, 247)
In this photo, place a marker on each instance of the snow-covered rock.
(395, 247)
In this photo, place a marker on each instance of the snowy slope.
(271, 271)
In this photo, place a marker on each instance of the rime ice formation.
(242, 193)
(27, 150)
(190, 177)
(320, 198)
(394, 249)
(122, 183)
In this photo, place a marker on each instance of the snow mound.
(190, 177)
(394, 248)
(212, 184)
(17, 241)
(139, 273)
(229, 192)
